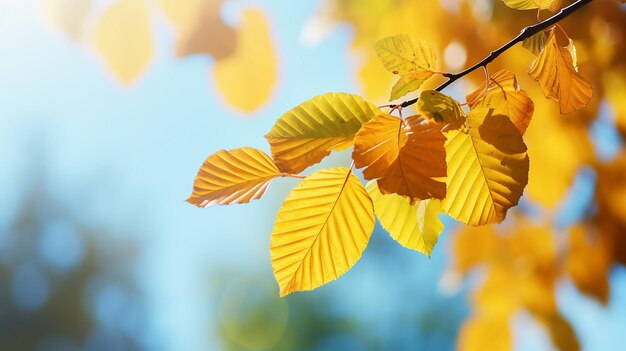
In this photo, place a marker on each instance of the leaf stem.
(525, 33)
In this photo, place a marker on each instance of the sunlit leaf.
(233, 177)
(559, 79)
(310, 131)
(321, 230)
(377, 145)
(552, 5)
(439, 107)
(408, 83)
(536, 43)
(487, 169)
(247, 78)
(404, 54)
(414, 225)
(419, 172)
(502, 94)
(123, 38)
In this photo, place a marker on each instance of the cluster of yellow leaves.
(122, 35)
(476, 163)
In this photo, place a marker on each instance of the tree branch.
(524, 34)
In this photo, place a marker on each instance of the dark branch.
(524, 34)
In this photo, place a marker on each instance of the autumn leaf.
(310, 131)
(233, 177)
(558, 77)
(419, 172)
(413, 59)
(415, 225)
(485, 333)
(246, 79)
(321, 230)
(552, 5)
(439, 107)
(503, 95)
(487, 169)
(535, 43)
(123, 38)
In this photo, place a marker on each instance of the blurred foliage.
(122, 34)
(65, 284)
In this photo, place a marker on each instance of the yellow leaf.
(407, 83)
(321, 230)
(439, 107)
(233, 177)
(200, 29)
(404, 54)
(487, 169)
(123, 38)
(555, 71)
(481, 333)
(246, 79)
(419, 171)
(504, 97)
(414, 225)
(536, 43)
(310, 131)
(588, 263)
(68, 15)
(552, 5)
(377, 145)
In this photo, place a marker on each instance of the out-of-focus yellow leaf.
(487, 169)
(321, 230)
(439, 107)
(558, 77)
(588, 263)
(502, 94)
(536, 43)
(561, 333)
(552, 5)
(246, 79)
(408, 83)
(481, 333)
(200, 29)
(377, 145)
(419, 171)
(310, 131)
(68, 15)
(233, 177)
(404, 54)
(615, 90)
(414, 225)
(474, 246)
(124, 40)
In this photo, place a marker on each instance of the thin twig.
(524, 34)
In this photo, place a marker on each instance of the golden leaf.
(552, 5)
(404, 54)
(377, 145)
(487, 169)
(502, 94)
(408, 83)
(414, 225)
(439, 107)
(246, 79)
(481, 333)
(558, 77)
(310, 131)
(123, 38)
(419, 171)
(200, 29)
(321, 230)
(233, 177)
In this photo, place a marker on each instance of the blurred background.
(109, 107)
